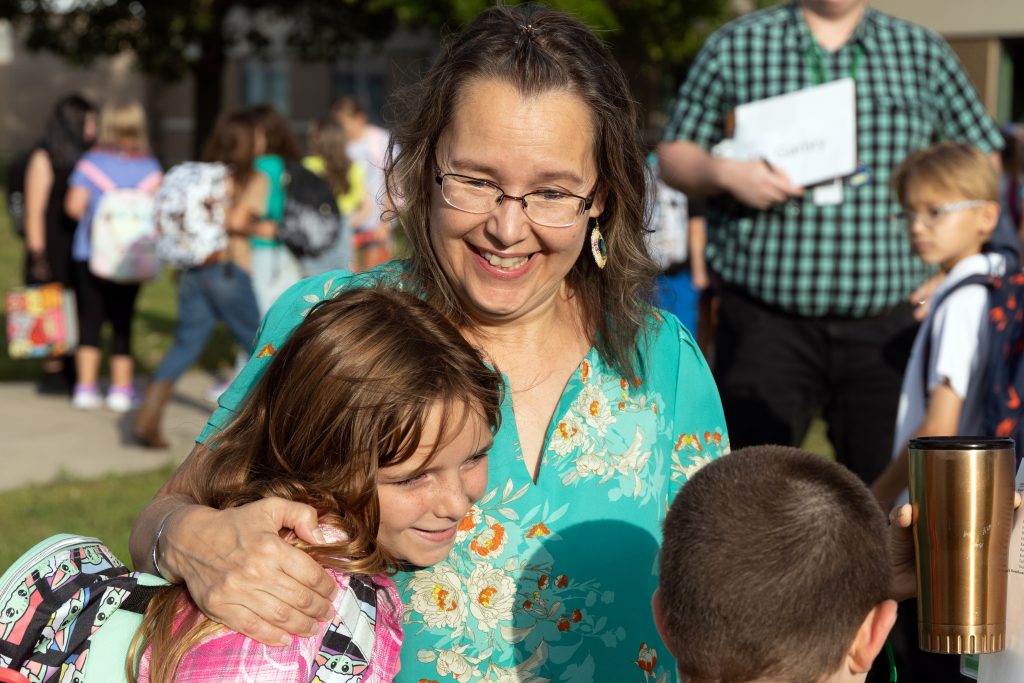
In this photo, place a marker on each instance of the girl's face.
(420, 511)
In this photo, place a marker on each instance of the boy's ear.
(989, 217)
(871, 636)
(659, 619)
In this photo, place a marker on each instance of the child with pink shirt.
(377, 413)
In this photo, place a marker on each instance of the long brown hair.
(536, 50)
(347, 394)
(329, 142)
(233, 142)
(280, 140)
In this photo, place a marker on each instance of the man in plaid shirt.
(815, 304)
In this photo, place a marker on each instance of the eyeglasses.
(933, 214)
(550, 208)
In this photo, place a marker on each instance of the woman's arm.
(76, 201)
(941, 419)
(38, 183)
(234, 563)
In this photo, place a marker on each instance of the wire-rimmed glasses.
(933, 214)
(550, 208)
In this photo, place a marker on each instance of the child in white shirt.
(949, 193)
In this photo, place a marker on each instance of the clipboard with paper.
(811, 134)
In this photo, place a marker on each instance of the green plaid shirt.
(847, 260)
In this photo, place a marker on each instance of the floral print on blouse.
(551, 580)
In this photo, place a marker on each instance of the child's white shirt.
(959, 343)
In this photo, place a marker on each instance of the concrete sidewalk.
(43, 437)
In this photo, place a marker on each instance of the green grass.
(103, 508)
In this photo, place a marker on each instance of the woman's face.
(502, 265)
(420, 510)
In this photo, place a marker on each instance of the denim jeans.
(221, 291)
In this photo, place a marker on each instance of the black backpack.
(16, 190)
(312, 221)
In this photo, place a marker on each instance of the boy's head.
(950, 198)
(775, 567)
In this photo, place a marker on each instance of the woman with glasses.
(522, 181)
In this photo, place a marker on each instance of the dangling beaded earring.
(597, 246)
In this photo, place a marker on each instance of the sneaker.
(121, 399)
(86, 397)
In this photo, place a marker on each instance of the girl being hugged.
(378, 414)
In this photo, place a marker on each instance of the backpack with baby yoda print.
(69, 610)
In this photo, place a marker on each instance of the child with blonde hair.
(950, 198)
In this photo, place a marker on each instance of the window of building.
(267, 82)
(369, 88)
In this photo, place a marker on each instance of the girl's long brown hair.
(233, 142)
(329, 143)
(347, 394)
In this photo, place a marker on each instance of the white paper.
(1008, 666)
(811, 134)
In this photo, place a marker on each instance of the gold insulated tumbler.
(961, 490)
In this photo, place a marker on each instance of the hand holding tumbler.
(961, 491)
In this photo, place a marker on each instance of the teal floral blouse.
(551, 579)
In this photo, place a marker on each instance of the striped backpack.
(69, 610)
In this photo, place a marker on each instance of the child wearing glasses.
(774, 567)
(950, 198)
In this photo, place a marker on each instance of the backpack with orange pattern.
(1004, 354)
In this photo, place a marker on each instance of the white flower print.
(456, 664)
(570, 435)
(468, 524)
(492, 596)
(590, 464)
(437, 594)
(593, 405)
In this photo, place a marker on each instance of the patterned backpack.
(191, 211)
(122, 235)
(1005, 353)
(69, 610)
(312, 221)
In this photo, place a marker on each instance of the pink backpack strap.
(151, 182)
(98, 177)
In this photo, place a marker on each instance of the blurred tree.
(654, 39)
(173, 39)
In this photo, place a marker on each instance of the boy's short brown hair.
(949, 167)
(772, 558)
